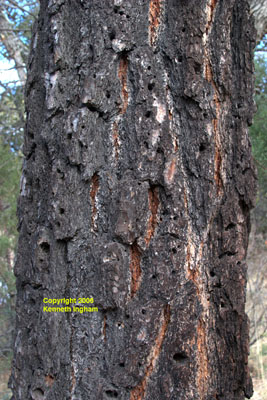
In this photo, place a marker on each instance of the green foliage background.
(258, 134)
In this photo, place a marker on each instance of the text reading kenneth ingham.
(70, 305)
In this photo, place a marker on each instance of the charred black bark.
(136, 191)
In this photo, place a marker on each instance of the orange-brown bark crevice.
(138, 393)
(217, 168)
(49, 380)
(155, 8)
(122, 74)
(203, 370)
(93, 194)
(115, 135)
(153, 204)
(135, 268)
(212, 6)
(171, 170)
(215, 123)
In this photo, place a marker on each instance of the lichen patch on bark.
(138, 393)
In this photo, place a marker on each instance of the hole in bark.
(183, 29)
(122, 365)
(127, 316)
(180, 59)
(121, 13)
(227, 253)
(69, 135)
(91, 107)
(108, 95)
(58, 224)
(202, 147)
(61, 210)
(149, 68)
(230, 226)
(173, 272)
(180, 357)
(154, 277)
(143, 311)
(128, 16)
(174, 250)
(222, 304)
(212, 274)
(112, 35)
(150, 85)
(197, 68)
(205, 115)
(116, 10)
(146, 145)
(148, 114)
(45, 247)
(175, 217)
(112, 393)
(94, 76)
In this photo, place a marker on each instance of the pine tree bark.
(136, 191)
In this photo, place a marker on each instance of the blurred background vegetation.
(16, 21)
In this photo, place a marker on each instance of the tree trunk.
(136, 191)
